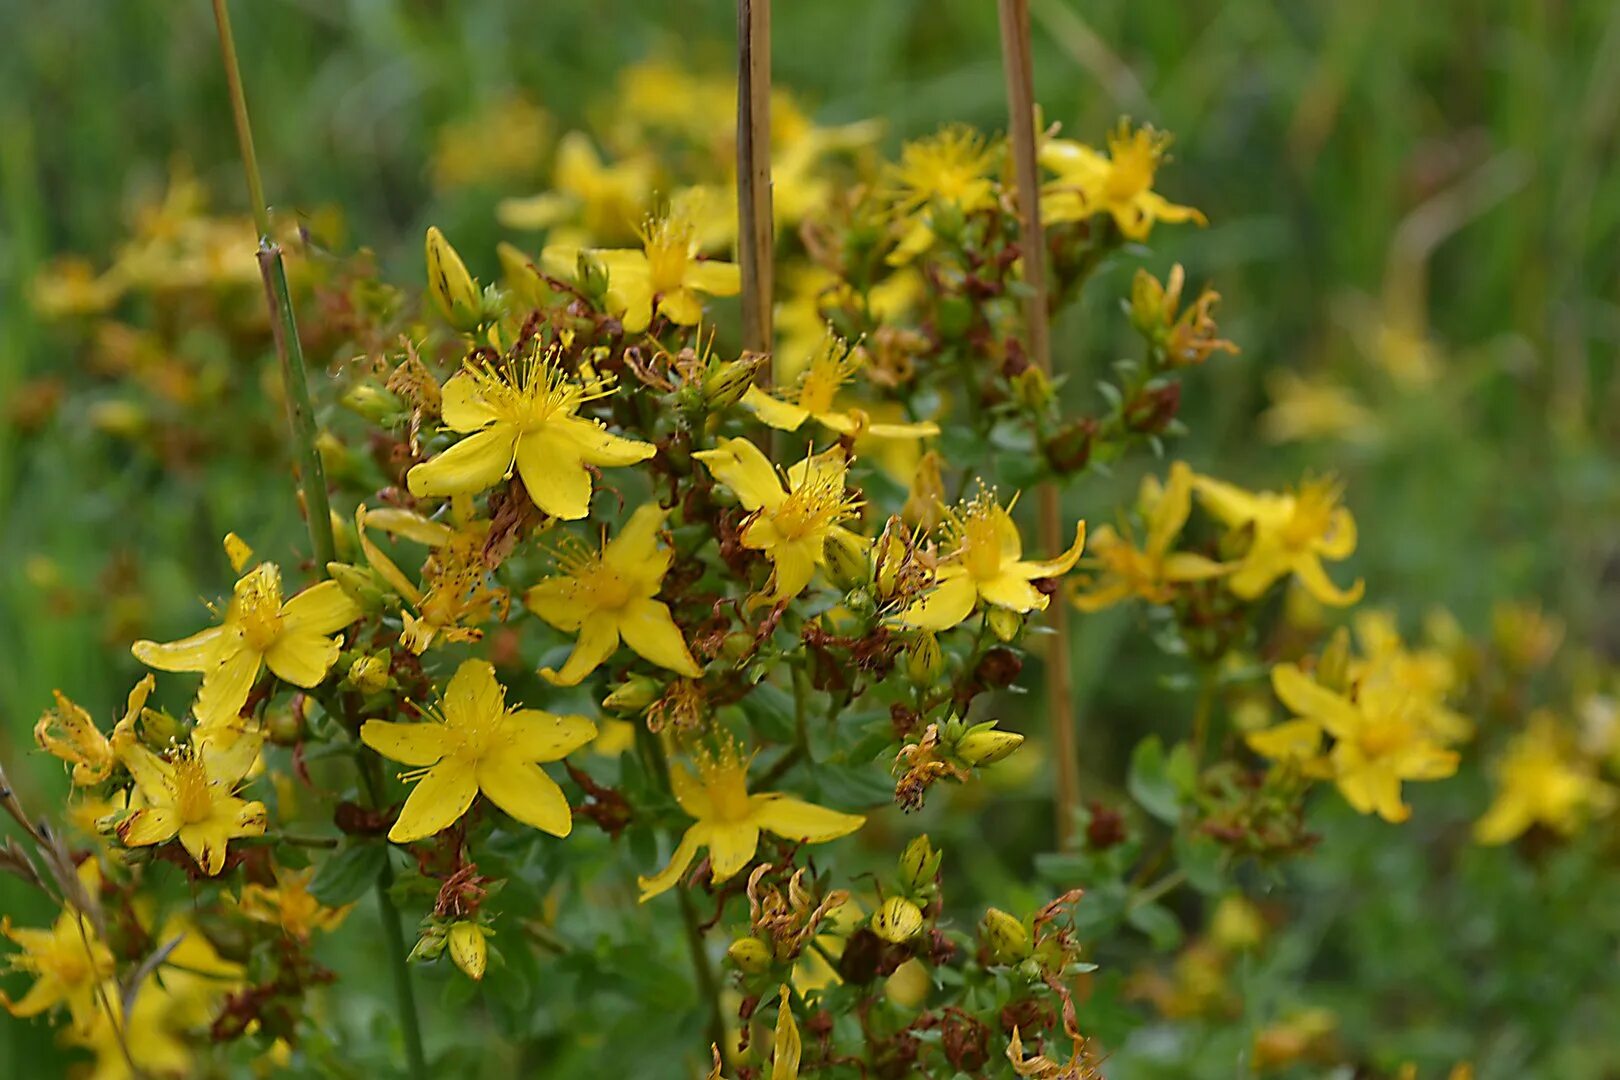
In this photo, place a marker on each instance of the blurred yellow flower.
(290, 906)
(729, 819)
(524, 417)
(813, 398)
(476, 743)
(1152, 571)
(790, 523)
(591, 202)
(68, 963)
(1315, 407)
(1428, 675)
(502, 140)
(191, 794)
(293, 638)
(68, 732)
(1542, 780)
(986, 564)
(456, 593)
(1119, 183)
(612, 597)
(1290, 533)
(950, 173)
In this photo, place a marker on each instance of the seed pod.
(1004, 937)
(898, 920)
(453, 289)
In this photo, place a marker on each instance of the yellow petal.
(648, 628)
(773, 412)
(919, 430)
(596, 445)
(533, 735)
(227, 754)
(1311, 575)
(794, 562)
(476, 463)
(411, 526)
(1370, 788)
(559, 601)
(1104, 596)
(438, 800)
(690, 793)
(1339, 542)
(474, 696)
(598, 640)
(1231, 504)
(149, 825)
(943, 607)
(536, 212)
(637, 543)
(1170, 512)
(715, 278)
(731, 845)
(739, 464)
(1306, 697)
(1013, 593)
(554, 475)
(795, 819)
(302, 657)
(462, 404)
(1187, 566)
(523, 790)
(225, 688)
(685, 852)
(786, 1046)
(681, 307)
(195, 653)
(1292, 740)
(1508, 818)
(1051, 568)
(409, 744)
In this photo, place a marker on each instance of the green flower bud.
(160, 731)
(898, 920)
(847, 563)
(369, 673)
(1004, 937)
(984, 745)
(592, 276)
(360, 585)
(726, 383)
(919, 864)
(633, 695)
(430, 946)
(1333, 669)
(1005, 624)
(453, 289)
(925, 663)
(372, 402)
(751, 955)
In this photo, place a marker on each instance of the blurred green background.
(1385, 181)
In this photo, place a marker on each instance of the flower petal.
(553, 474)
(302, 657)
(1188, 566)
(715, 278)
(1307, 698)
(149, 825)
(523, 790)
(946, 605)
(462, 405)
(739, 464)
(323, 608)
(685, 852)
(476, 463)
(795, 819)
(533, 735)
(195, 653)
(648, 628)
(408, 744)
(773, 412)
(1170, 512)
(794, 562)
(637, 542)
(689, 792)
(596, 445)
(225, 688)
(731, 847)
(598, 640)
(1311, 575)
(1013, 593)
(681, 307)
(474, 695)
(1051, 568)
(438, 800)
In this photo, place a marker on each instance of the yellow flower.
(68, 732)
(293, 639)
(812, 398)
(1152, 571)
(786, 1045)
(503, 140)
(478, 744)
(1378, 742)
(1292, 533)
(1428, 675)
(790, 523)
(729, 820)
(665, 274)
(1119, 184)
(1542, 781)
(290, 906)
(986, 564)
(192, 794)
(604, 201)
(68, 962)
(951, 171)
(611, 597)
(1314, 408)
(524, 417)
(456, 592)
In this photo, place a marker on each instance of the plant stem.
(283, 322)
(398, 958)
(755, 237)
(1019, 69)
(1201, 711)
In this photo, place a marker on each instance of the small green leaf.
(344, 878)
(1157, 922)
(1150, 782)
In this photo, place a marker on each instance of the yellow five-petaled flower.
(1290, 533)
(475, 743)
(612, 597)
(729, 820)
(523, 416)
(1152, 571)
(790, 523)
(814, 398)
(1119, 183)
(293, 638)
(191, 794)
(986, 564)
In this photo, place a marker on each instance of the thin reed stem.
(283, 322)
(1019, 69)
(755, 225)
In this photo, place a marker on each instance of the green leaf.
(1157, 922)
(344, 878)
(1150, 782)
(1204, 862)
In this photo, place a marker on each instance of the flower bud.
(1237, 924)
(925, 662)
(984, 745)
(592, 276)
(468, 950)
(1151, 410)
(908, 986)
(283, 726)
(1069, 450)
(726, 383)
(373, 403)
(369, 673)
(160, 731)
(1032, 388)
(633, 695)
(890, 550)
(453, 289)
(1333, 669)
(925, 502)
(358, 584)
(898, 920)
(919, 864)
(520, 277)
(847, 564)
(1004, 937)
(1005, 624)
(429, 946)
(751, 955)
(1148, 313)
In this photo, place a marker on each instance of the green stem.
(398, 958)
(1202, 710)
(1167, 884)
(283, 323)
